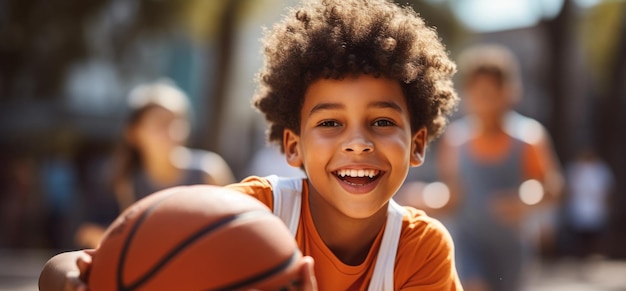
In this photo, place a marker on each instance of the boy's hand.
(308, 275)
(66, 272)
(74, 283)
(84, 266)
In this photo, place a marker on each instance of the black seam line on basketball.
(122, 260)
(260, 277)
(169, 256)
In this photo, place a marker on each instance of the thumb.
(84, 264)
(73, 282)
(308, 275)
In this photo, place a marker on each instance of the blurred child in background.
(484, 159)
(589, 185)
(150, 156)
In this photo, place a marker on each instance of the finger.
(73, 282)
(310, 283)
(84, 264)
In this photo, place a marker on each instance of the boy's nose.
(358, 145)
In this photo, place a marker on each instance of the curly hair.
(493, 60)
(340, 38)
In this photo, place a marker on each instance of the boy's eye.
(329, 123)
(383, 122)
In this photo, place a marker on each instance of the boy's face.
(486, 98)
(355, 142)
(158, 130)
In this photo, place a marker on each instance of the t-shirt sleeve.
(425, 258)
(257, 187)
(533, 168)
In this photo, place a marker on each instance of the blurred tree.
(440, 16)
(612, 121)
(38, 38)
(604, 40)
(559, 36)
(225, 35)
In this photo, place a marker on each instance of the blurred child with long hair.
(151, 156)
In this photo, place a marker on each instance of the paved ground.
(570, 275)
(19, 271)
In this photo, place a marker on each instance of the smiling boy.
(353, 91)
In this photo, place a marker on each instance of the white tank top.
(287, 194)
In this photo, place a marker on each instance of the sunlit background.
(67, 65)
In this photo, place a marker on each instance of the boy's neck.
(490, 128)
(349, 239)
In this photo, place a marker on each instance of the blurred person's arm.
(540, 160)
(218, 171)
(66, 271)
(88, 235)
(448, 170)
(547, 171)
(542, 164)
(553, 176)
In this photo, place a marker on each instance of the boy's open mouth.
(357, 177)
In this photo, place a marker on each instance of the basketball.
(193, 238)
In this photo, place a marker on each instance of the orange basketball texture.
(191, 238)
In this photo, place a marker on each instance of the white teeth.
(357, 173)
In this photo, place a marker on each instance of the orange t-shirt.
(496, 148)
(424, 261)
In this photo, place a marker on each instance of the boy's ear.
(418, 147)
(291, 143)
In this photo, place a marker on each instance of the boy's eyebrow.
(377, 104)
(326, 106)
(386, 104)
